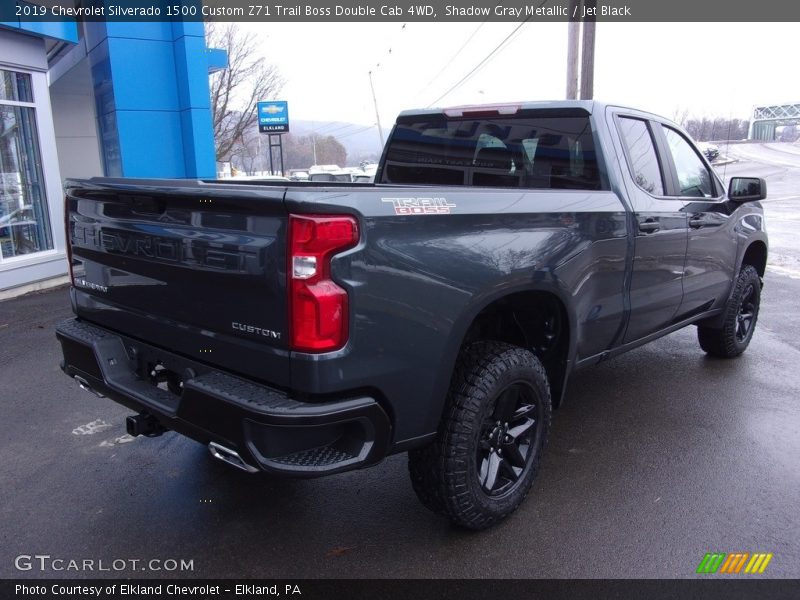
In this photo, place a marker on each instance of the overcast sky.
(711, 69)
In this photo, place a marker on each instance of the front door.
(660, 222)
(711, 253)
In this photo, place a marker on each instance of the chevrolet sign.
(273, 117)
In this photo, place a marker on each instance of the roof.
(588, 105)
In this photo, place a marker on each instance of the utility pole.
(573, 34)
(587, 54)
(580, 50)
(377, 116)
(314, 140)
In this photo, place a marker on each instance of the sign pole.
(269, 149)
(275, 144)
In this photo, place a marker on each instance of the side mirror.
(747, 189)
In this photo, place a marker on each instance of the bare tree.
(680, 115)
(299, 153)
(705, 129)
(247, 154)
(235, 90)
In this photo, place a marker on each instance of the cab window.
(644, 162)
(694, 177)
(531, 149)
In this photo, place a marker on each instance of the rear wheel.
(490, 440)
(740, 317)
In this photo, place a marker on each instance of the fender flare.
(543, 282)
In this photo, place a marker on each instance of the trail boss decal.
(420, 206)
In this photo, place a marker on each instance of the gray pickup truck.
(307, 329)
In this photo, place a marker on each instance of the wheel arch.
(753, 251)
(514, 315)
(755, 254)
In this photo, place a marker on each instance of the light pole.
(377, 116)
(314, 140)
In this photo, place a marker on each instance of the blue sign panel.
(273, 117)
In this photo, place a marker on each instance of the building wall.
(152, 99)
(125, 99)
(76, 124)
(22, 51)
(25, 54)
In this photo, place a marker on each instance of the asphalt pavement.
(656, 458)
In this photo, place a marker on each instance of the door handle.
(697, 222)
(649, 226)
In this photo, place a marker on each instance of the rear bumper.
(268, 429)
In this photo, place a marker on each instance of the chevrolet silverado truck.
(306, 329)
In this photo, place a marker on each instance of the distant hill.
(361, 141)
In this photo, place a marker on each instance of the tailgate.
(197, 268)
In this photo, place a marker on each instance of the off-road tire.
(445, 474)
(723, 341)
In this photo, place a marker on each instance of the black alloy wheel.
(747, 313)
(731, 336)
(506, 439)
(491, 437)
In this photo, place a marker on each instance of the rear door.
(660, 225)
(198, 269)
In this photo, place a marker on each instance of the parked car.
(308, 330)
(239, 178)
(710, 150)
(337, 176)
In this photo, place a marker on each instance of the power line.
(483, 62)
(328, 127)
(334, 129)
(391, 44)
(452, 58)
(372, 85)
(363, 129)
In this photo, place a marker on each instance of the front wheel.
(741, 314)
(491, 437)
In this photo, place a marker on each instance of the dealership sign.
(273, 117)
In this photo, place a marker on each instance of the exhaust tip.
(84, 385)
(230, 456)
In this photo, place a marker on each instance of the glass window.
(644, 161)
(694, 178)
(24, 221)
(15, 86)
(521, 151)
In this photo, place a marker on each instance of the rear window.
(545, 152)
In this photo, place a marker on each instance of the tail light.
(318, 307)
(486, 110)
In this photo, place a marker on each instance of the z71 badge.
(420, 206)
